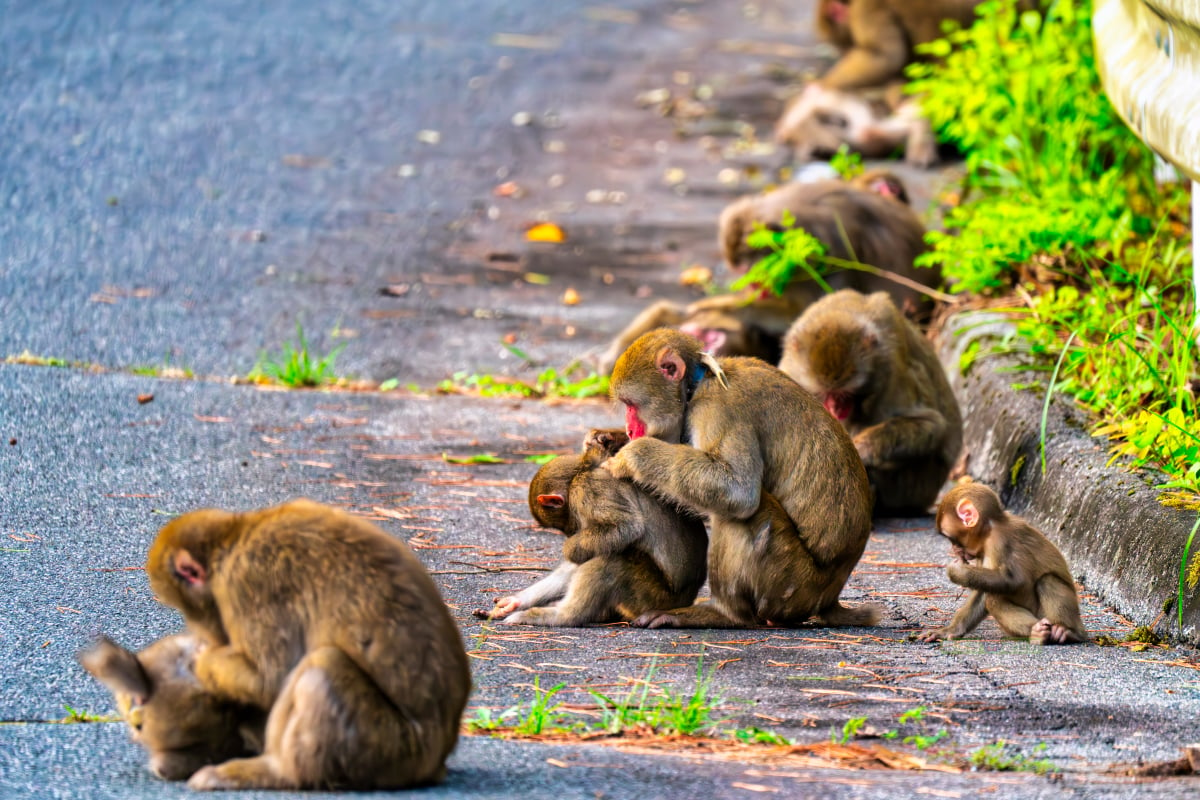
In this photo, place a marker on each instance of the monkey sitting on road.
(626, 552)
(333, 627)
(866, 219)
(1023, 580)
(168, 712)
(878, 376)
(784, 490)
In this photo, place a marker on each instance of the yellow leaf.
(545, 232)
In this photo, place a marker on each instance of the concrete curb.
(1121, 543)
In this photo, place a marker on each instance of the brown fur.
(866, 219)
(858, 352)
(626, 552)
(1023, 581)
(785, 492)
(879, 37)
(332, 625)
(183, 726)
(874, 123)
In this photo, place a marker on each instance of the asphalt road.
(183, 183)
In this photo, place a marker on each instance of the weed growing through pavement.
(571, 381)
(1003, 757)
(295, 366)
(75, 715)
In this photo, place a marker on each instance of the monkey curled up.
(779, 479)
(331, 626)
(1023, 580)
(626, 552)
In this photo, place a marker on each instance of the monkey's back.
(810, 464)
(312, 576)
(674, 540)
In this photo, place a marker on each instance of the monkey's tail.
(839, 616)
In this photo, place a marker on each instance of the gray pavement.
(208, 122)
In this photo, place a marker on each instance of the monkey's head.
(168, 712)
(833, 22)
(550, 490)
(181, 561)
(965, 517)
(882, 182)
(831, 352)
(818, 122)
(653, 380)
(735, 224)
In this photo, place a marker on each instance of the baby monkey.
(1023, 581)
(626, 552)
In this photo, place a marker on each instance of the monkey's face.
(168, 712)
(967, 536)
(550, 490)
(831, 360)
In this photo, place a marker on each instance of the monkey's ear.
(551, 500)
(967, 513)
(117, 668)
(189, 570)
(670, 364)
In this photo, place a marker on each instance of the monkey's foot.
(1046, 632)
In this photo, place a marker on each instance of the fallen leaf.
(753, 787)
(545, 232)
(202, 418)
(508, 189)
(554, 762)
(301, 161)
(695, 276)
(526, 42)
(395, 289)
(536, 278)
(480, 458)
(429, 137)
(144, 398)
(570, 298)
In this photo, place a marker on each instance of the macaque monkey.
(168, 712)
(331, 625)
(626, 552)
(784, 490)
(866, 219)
(879, 377)
(876, 123)
(879, 37)
(1023, 580)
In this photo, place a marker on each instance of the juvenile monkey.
(331, 625)
(785, 492)
(877, 375)
(866, 219)
(182, 725)
(626, 552)
(875, 123)
(1023, 580)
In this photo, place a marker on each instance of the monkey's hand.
(576, 551)
(958, 573)
(228, 672)
(960, 555)
(656, 619)
(504, 606)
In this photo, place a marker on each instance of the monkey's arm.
(964, 621)
(602, 539)
(229, 673)
(879, 53)
(910, 436)
(547, 590)
(726, 481)
(1006, 580)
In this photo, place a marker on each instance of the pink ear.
(551, 500)
(189, 569)
(967, 513)
(670, 364)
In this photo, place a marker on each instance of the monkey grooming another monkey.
(183, 726)
(785, 492)
(866, 219)
(878, 376)
(626, 552)
(331, 625)
(1023, 580)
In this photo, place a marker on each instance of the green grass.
(76, 715)
(571, 381)
(1003, 757)
(295, 366)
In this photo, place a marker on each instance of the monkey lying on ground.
(879, 37)
(785, 492)
(626, 552)
(168, 712)
(331, 625)
(1023, 582)
(866, 219)
(878, 376)
(875, 124)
